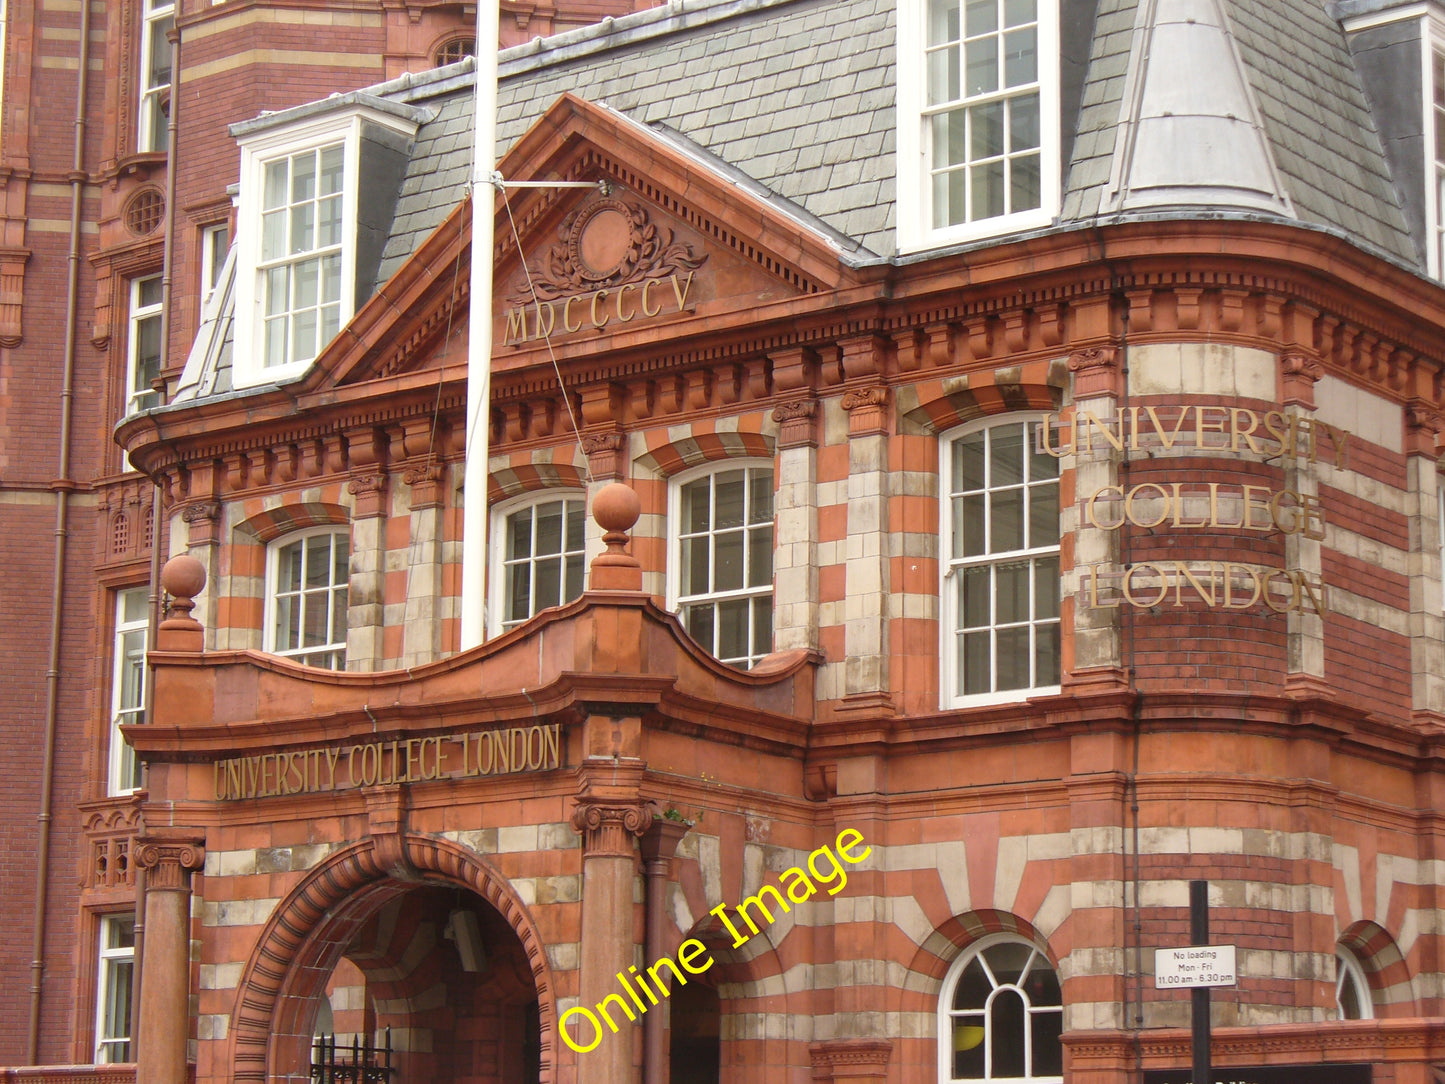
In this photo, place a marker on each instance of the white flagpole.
(479, 351)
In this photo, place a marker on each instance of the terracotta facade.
(472, 861)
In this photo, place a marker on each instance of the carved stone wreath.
(606, 243)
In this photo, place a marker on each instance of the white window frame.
(215, 243)
(123, 773)
(944, 1028)
(154, 12)
(950, 676)
(137, 315)
(273, 572)
(914, 156)
(676, 602)
(1348, 969)
(108, 963)
(502, 561)
(257, 152)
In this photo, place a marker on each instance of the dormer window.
(317, 195)
(978, 118)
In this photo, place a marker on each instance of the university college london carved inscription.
(403, 760)
(611, 265)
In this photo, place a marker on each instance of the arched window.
(307, 597)
(1352, 989)
(1000, 1015)
(454, 49)
(721, 558)
(1000, 564)
(539, 557)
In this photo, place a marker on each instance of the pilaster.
(865, 679)
(795, 557)
(168, 857)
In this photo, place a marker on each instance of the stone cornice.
(1276, 288)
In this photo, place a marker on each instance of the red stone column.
(659, 844)
(609, 816)
(168, 857)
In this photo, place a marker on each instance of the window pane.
(981, 64)
(303, 329)
(1046, 588)
(1008, 960)
(950, 198)
(519, 531)
(976, 663)
(1013, 658)
(276, 341)
(986, 198)
(1046, 654)
(1018, 12)
(332, 161)
(1006, 1034)
(315, 628)
(1041, 464)
(519, 602)
(973, 525)
(278, 290)
(341, 561)
(982, 17)
(760, 556)
(303, 177)
(318, 561)
(968, 1048)
(1025, 184)
(986, 122)
(977, 589)
(728, 553)
(942, 21)
(329, 222)
(1023, 122)
(1006, 468)
(134, 604)
(762, 625)
(575, 523)
(549, 583)
(1006, 527)
(1048, 1050)
(289, 568)
(968, 462)
(1043, 515)
(973, 987)
(1021, 57)
(695, 504)
(699, 622)
(728, 500)
(943, 75)
(303, 223)
(574, 577)
(760, 496)
(340, 599)
(1012, 593)
(950, 139)
(331, 278)
(694, 566)
(549, 528)
(732, 629)
(275, 185)
(287, 629)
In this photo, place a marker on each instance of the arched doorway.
(432, 946)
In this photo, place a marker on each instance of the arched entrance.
(448, 959)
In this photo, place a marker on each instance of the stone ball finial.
(616, 509)
(183, 577)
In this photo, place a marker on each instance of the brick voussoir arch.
(308, 930)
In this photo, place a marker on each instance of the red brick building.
(1028, 429)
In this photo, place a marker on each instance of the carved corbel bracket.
(867, 411)
(604, 451)
(795, 421)
(1096, 372)
(425, 483)
(370, 493)
(1298, 374)
(1423, 425)
(203, 518)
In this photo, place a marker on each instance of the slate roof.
(799, 96)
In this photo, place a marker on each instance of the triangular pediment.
(647, 237)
